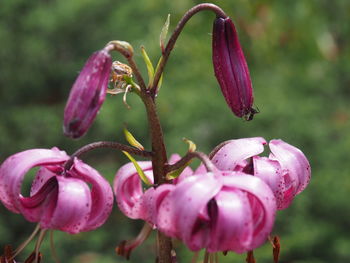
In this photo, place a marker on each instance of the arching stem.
(189, 156)
(172, 40)
(106, 144)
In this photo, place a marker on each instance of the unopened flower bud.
(231, 68)
(87, 94)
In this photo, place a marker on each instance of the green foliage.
(299, 60)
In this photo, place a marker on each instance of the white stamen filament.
(127, 89)
(38, 243)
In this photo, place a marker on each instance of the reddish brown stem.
(189, 156)
(105, 144)
(172, 40)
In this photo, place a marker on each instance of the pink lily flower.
(57, 200)
(286, 170)
(225, 211)
(87, 94)
(129, 191)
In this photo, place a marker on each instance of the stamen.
(53, 250)
(250, 257)
(173, 256)
(25, 243)
(6, 257)
(195, 257)
(216, 257)
(211, 258)
(38, 244)
(127, 89)
(276, 247)
(31, 258)
(206, 256)
(125, 247)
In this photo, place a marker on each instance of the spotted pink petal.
(40, 204)
(232, 227)
(195, 192)
(270, 172)
(14, 168)
(128, 189)
(152, 199)
(101, 194)
(294, 162)
(230, 155)
(72, 208)
(262, 203)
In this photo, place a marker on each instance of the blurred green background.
(299, 57)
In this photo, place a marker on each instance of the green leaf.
(176, 173)
(164, 33)
(131, 139)
(149, 65)
(140, 172)
(161, 77)
(191, 145)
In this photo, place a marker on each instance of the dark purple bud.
(87, 94)
(231, 68)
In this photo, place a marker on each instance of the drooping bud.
(87, 94)
(231, 69)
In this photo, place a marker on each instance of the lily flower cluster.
(231, 208)
(228, 203)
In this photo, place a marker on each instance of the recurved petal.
(229, 155)
(295, 162)
(152, 200)
(262, 202)
(232, 228)
(43, 201)
(270, 172)
(195, 192)
(73, 206)
(101, 193)
(41, 177)
(14, 168)
(127, 187)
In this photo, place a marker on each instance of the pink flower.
(286, 170)
(231, 68)
(129, 191)
(225, 211)
(228, 211)
(87, 94)
(57, 200)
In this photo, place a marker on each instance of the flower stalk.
(106, 144)
(172, 40)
